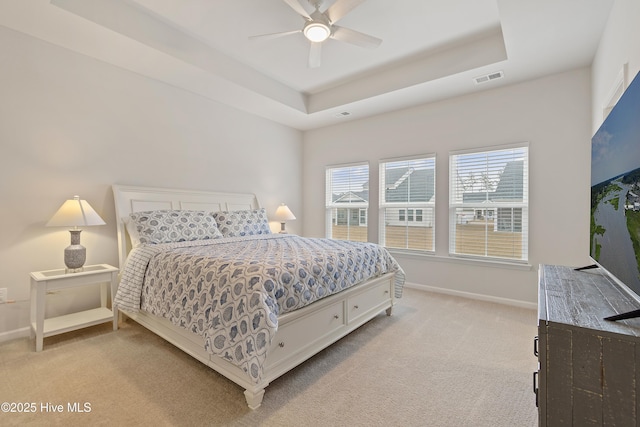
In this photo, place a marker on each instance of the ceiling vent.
(488, 77)
(342, 114)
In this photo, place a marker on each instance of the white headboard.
(129, 199)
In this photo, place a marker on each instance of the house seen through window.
(489, 203)
(407, 203)
(347, 202)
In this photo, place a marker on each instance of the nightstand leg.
(114, 289)
(103, 295)
(40, 295)
(32, 311)
(115, 319)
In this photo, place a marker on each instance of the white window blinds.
(489, 203)
(347, 202)
(407, 203)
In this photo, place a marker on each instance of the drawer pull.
(335, 316)
(386, 292)
(535, 387)
(281, 345)
(356, 307)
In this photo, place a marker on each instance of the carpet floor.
(439, 360)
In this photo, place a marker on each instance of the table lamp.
(283, 213)
(75, 213)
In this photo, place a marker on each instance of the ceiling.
(431, 49)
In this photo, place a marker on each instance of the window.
(347, 202)
(489, 203)
(363, 217)
(407, 203)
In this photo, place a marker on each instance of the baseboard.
(471, 295)
(15, 334)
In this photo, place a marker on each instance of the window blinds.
(488, 203)
(347, 202)
(407, 203)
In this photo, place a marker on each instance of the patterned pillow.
(242, 223)
(167, 226)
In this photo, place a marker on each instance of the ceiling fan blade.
(355, 37)
(340, 8)
(314, 55)
(297, 7)
(275, 35)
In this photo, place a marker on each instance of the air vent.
(488, 77)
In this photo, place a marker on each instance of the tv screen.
(615, 191)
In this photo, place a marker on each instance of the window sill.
(523, 266)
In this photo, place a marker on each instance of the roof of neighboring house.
(401, 185)
(509, 187)
(409, 185)
(351, 196)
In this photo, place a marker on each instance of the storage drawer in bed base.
(339, 315)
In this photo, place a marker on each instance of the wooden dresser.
(588, 367)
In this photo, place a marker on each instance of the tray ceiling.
(431, 49)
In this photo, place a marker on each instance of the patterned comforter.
(231, 291)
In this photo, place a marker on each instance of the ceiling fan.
(320, 26)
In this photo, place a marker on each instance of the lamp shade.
(283, 213)
(75, 213)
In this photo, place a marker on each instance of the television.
(615, 195)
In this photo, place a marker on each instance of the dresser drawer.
(293, 338)
(372, 299)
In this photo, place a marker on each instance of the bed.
(250, 317)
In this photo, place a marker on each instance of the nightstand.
(52, 280)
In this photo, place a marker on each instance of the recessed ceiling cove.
(415, 51)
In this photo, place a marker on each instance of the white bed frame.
(301, 333)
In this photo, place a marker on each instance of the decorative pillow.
(242, 223)
(167, 226)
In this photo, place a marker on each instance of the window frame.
(407, 210)
(331, 206)
(492, 210)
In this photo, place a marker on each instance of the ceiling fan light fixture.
(316, 32)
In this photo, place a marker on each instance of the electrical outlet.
(3, 295)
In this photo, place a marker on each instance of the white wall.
(72, 125)
(620, 45)
(552, 114)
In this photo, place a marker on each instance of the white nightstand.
(44, 281)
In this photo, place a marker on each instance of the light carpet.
(439, 360)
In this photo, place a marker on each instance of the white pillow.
(132, 231)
